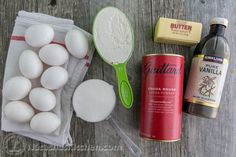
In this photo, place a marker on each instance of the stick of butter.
(178, 32)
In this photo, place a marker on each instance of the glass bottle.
(208, 72)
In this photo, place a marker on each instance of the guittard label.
(206, 80)
(164, 68)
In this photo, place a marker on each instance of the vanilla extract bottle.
(208, 72)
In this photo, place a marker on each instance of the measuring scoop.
(94, 101)
(114, 41)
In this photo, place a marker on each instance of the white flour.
(113, 35)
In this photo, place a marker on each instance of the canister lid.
(219, 20)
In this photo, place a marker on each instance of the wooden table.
(200, 137)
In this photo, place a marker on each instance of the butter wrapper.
(180, 32)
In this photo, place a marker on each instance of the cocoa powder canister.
(161, 101)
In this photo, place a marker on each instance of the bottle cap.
(220, 21)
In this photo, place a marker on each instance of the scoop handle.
(134, 149)
(125, 90)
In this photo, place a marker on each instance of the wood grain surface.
(200, 137)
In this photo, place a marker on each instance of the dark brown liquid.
(200, 110)
(214, 44)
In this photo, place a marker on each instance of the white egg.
(54, 78)
(39, 35)
(18, 111)
(42, 99)
(45, 122)
(30, 65)
(53, 54)
(16, 88)
(76, 43)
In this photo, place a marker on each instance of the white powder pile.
(91, 105)
(113, 35)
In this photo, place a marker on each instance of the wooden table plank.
(200, 137)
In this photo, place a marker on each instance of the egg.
(54, 78)
(39, 35)
(76, 43)
(30, 65)
(53, 54)
(42, 99)
(18, 111)
(16, 88)
(45, 122)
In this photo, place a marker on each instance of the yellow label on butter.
(179, 32)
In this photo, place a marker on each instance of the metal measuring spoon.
(94, 101)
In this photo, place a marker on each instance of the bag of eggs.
(47, 58)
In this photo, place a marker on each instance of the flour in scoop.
(113, 35)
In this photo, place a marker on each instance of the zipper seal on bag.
(59, 24)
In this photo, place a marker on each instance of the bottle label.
(206, 80)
